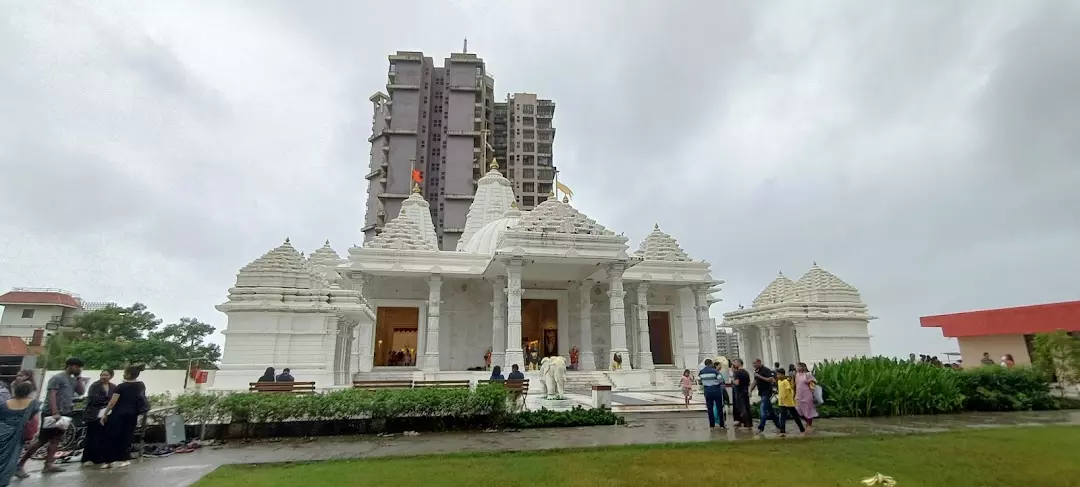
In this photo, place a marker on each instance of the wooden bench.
(517, 388)
(287, 387)
(374, 385)
(442, 384)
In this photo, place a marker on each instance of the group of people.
(111, 416)
(794, 393)
(270, 376)
(515, 373)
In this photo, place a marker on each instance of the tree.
(116, 323)
(190, 335)
(115, 337)
(1058, 354)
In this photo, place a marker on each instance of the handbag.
(32, 426)
(819, 395)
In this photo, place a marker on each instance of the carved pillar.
(498, 323)
(431, 344)
(774, 342)
(514, 354)
(644, 352)
(706, 332)
(618, 316)
(744, 345)
(363, 359)
(587, 359)
(763, 339)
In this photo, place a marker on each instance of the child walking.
(687, 384)
(785, 386)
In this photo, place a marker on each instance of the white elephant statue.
(557, 369)
(553, 375)
(545, 389)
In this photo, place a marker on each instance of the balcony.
(463, 133)
(394, 196)
(459, 197)
(391, 132)
(392, 87)
(464, 88)
(406, 56)
(373, 174)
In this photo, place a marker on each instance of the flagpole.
(412, 170)
(555, 185)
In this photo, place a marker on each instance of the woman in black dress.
(97, 398)
(121, 417)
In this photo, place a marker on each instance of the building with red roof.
(1006, 330)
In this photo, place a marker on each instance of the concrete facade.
(524, 136)
(972, 348)
(432, 119)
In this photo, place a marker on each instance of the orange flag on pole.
(417, 177)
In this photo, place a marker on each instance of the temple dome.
(325, 255)
(281, 267)
(820, 285)
(494, 194)
(661, 246)
(486, 240)
(778, 291)
(283, 258)
(412, 229)
(554, 216)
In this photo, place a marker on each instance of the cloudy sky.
(926, 152)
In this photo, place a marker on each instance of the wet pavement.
(181, 470)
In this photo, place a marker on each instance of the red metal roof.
(1022, 320)
(13, 346)
(47, 298)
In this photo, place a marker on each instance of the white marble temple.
(819, 317)
(319, 316)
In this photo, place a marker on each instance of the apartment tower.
(432, 119)
(441, 121)
(524, 135)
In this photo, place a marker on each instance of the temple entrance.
(396, 335)
(539, 330)
(660, 337)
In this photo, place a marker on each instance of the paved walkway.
(184, 470)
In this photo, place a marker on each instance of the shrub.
(579, 416)
(487, 401)
(1005, 389)
(880, 386)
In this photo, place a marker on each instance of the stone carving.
(553, 372)
(662, 247)
(616, 362)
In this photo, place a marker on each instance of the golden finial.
(513, 204)
(494, 164)
(416, 188)
(551, 194)
(565, 199)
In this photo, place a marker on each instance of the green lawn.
(1038, 456)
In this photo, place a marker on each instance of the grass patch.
(1043, 456)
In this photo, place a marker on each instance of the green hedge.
(994, 388)
(486, 401)
(879, 386)
(579, 416)
(485, 406)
